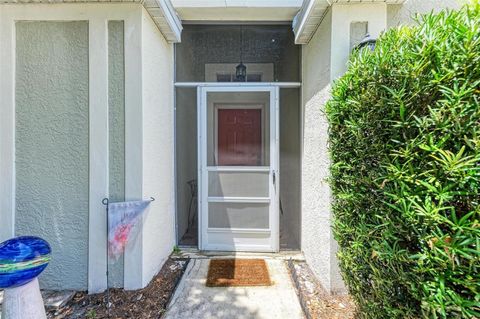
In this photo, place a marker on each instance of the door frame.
(274, 182)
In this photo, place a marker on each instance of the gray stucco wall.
(116, 104)
(51, 139)
(402, 13)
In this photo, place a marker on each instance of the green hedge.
(405, 148)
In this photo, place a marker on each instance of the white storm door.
(238, 168)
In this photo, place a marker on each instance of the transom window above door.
(225, 72)
(230, 77)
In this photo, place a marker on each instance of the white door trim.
(272, 243)
(284, 85)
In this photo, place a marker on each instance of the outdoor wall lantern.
(241, 69)
(241, 73)
(367, 42)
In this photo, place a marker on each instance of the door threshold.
(194, 253)
(188, 247)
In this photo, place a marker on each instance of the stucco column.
(149, 148)
(343, 15)
(98, 153)
(133, 271)
(375, 15)
(325, 59)
(7, 128)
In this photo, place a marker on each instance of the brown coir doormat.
(237, 272)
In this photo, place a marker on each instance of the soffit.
(237, 10)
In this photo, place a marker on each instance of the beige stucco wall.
(317, 240)
(402, 13)
(158, 148)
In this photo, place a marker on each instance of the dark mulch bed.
(316, 302)
(149, 302)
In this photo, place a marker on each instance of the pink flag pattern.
(122, 218)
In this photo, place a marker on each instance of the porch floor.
(193, 299)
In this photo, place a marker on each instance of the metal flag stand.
(105, 202)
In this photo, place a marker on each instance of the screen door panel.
(239, 136)
(232, 184)
(238, 160)
(238, 215)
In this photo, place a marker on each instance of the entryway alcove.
(241, 84)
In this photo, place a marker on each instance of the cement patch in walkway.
(193, 299)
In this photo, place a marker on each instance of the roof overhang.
(164, 15)
(237, 10)
(312, 13)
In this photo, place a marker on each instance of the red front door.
(239, 137)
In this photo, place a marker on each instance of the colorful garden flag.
(122, 217)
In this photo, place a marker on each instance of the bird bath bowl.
(22, 259)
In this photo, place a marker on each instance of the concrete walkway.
(193, 300)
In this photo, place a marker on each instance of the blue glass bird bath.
(22, 259)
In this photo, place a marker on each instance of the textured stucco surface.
(402, 14)
(374, 14)
(158, 148)
(52, 145)
(116, 122)
(318, 244)
(358, 30)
